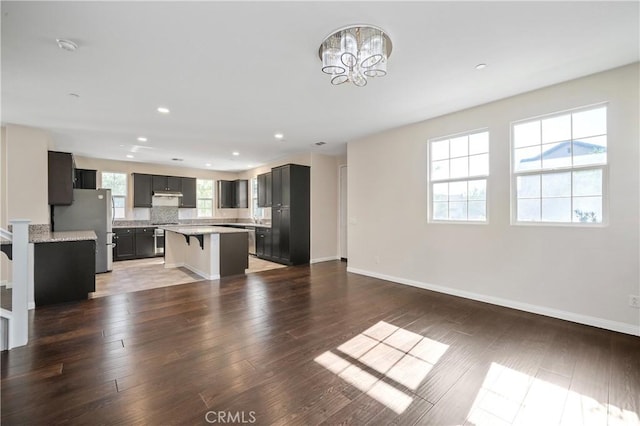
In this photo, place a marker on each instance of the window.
(258, 212)
(204, 191)
(559, 165)
(459, 167)
(117, 182)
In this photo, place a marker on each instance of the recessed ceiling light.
(67, 45)
(129, 156)
(163, 110)
(481, 66)
(142, 139)
(278, 136)
(208, 164)
(249, 166)
(235, 153)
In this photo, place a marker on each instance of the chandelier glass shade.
(355, 53)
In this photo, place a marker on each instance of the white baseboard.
(7, 284)
(324, 259)
(536, 309)
(192, 269)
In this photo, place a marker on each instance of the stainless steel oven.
(158, 241)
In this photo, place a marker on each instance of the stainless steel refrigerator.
(92, 209)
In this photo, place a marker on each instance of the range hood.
(167, 194)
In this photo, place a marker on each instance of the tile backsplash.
(164, 214)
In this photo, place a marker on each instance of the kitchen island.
(209, 251)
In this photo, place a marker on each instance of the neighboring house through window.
(459, 167)
(257, 212)
(559, 166)
(117, 182)
(204, 191)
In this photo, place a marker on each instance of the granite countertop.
(201, 230)
(56, 237)
(150, 225)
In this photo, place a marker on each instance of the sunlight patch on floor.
(398, 354)
(509, 397)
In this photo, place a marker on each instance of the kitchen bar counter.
(148, 224)
(61, 236)
(218, 252)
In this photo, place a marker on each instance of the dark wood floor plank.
(259, 343)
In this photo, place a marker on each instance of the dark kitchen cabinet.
(233, 194)
(142, 190)
(63, 271)
(85, 179)
(61, 177)
(166, 183)
(290, 211)
(144, 243)
(189, 198)
(263, 242)
(264, 190)
(125, 243)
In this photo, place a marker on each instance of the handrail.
(6, 234)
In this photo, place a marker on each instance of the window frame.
(255, 209)
(486, 178)
(604, 167)
(213, 196)
(113, 197)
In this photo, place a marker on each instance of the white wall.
(324, 208)
(577, 273)
(26, 176)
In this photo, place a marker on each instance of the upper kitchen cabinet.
(166, 183)
(61, 177)
(233, 194)
(281, 185)
(188, 199)
(264, 190)
(85, 179)
(142, 190)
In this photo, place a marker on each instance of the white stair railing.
(17, 317)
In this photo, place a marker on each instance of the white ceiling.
(234, 73)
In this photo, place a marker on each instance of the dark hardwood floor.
(311, 345)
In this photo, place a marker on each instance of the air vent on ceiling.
(320, 143)
(177, 159)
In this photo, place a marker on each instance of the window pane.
(440, 170)
(528, 186)
(587, 209)
(459, 147)
(556, 185)
(477, 210)
(440, 150)
(479, 165)
(458, 191)
(527, 159)
(459, 167)
(529, 210)
(590, 151)
(556, 155)
(117, 182)
(440, 211)
(479, 143)
(458, 210)
(440, 192)
(118, 207)
(477, 190)
(556, 209)
(590, 123)
(587, 182)
(204, 188)
(556, 129)
(526, 134)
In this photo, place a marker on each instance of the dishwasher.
(252, 239)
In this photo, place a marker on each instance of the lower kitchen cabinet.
(133, 243)
(144, 244)
(125, 243)
(63, 271)
(263, 242)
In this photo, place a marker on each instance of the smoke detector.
(68, 45)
